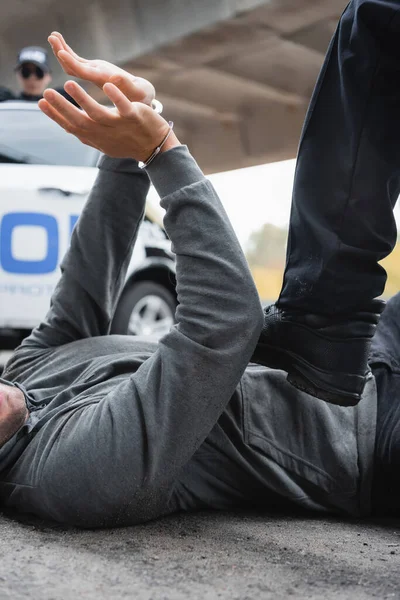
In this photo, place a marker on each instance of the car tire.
(145, 308)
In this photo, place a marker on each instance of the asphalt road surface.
(203, 556)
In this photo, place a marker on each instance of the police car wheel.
(146, 308)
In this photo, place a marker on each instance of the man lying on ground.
(106, 430)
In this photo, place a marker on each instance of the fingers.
(69, 113)
(51, 112)
(135, 89)
(57, 47)
(83, 70)
(64, 46)
(68, 59)
(93, 109)
(121, 102)
(69, 64)
(55, 44)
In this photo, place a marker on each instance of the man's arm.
(121, 455)
(94, 268)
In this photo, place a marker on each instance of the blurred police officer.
(33, 74)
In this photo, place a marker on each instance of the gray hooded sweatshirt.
(122, 430)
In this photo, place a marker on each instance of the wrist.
(171, 142)
(174, 170)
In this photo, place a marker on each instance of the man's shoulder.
(6, 94)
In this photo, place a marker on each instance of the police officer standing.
(33, 75)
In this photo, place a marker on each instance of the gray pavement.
(204, 556)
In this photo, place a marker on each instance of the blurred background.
(235, 76)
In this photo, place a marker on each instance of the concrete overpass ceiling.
(288, 16)
(286, 67)
(253, 73)
(13, 11)
(235, 75)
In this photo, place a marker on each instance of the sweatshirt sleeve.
(214, 285)
(94, 268)
(153, 421)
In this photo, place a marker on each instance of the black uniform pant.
(346, 185)
(348, 170)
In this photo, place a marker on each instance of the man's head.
(33, 71)
(13, 410)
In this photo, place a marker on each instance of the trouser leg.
(348, 170)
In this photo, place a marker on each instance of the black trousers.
(348, 169)
(346, 185)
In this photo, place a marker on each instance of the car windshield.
(28, 136)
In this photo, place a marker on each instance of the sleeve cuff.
(173, 170)
(118, 165)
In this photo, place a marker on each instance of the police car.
(45, 176)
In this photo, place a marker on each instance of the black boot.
(327, 357)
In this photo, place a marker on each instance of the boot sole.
(311, 379)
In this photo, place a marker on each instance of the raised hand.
(130, 130)
(100, 72)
